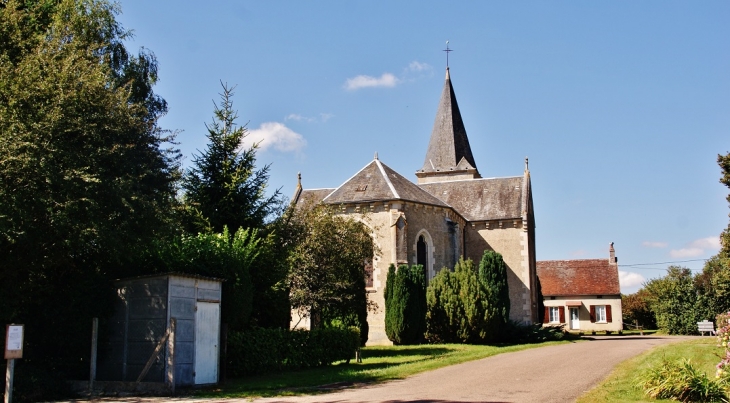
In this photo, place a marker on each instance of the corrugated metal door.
(206, 342)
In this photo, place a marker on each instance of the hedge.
(260, 351)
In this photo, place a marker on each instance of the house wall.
(584, 312)
(512, 242)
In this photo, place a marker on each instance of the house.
(451, 212)
(584, 294)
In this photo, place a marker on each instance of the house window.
(421, 252)
(554, 314)
(601, 314)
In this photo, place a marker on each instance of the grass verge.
(380, 363)
(621, 385)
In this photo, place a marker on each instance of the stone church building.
(451, 211)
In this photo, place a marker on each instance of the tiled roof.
(578, 277)
(481, 199)
(311, 196)
(378, 182)
(448, 147)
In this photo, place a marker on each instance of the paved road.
(547, 374)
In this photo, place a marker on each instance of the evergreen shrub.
(405, 304)
(260, 351)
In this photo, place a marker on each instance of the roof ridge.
(348, 179)
(387, 180)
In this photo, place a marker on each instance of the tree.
(673, 299)
(327, 267)
(724, 162)
(220, 255)
(405, 304)
(457, 309)
(493, 278)
(636, 309)
(86, 179)
(223, 184)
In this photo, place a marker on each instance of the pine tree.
(223, 183)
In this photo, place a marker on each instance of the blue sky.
(621, 107)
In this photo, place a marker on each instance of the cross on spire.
(447, 50)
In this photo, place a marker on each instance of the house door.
(207, 320)
(574, 319)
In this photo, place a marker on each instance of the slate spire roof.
(448, 149)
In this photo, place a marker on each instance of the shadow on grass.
(378, 352)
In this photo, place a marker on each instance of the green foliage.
(636, 310)
(469, 305)
(724, 162)
(405, 304)
(518, 333)
(259, 351)
(683, 382)
(223, 183)
(216, 255)
(493, 279)
(456, 306)
(87, 183)
(327, 267)
(673, 299)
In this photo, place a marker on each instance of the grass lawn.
(380, 363)
(620, 386)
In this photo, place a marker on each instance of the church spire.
(449, 155)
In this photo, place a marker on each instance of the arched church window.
(369, 273)
(421, 252)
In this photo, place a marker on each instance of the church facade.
(450, 212)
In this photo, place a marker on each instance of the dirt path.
(547, 374)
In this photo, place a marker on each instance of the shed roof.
(178, 274)
(578, 277)
(481, 199)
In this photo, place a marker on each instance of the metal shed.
(144, 308)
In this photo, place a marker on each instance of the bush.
(259, 351)
(681, 381)
(518, 333)
(405, 304)
(456, 306)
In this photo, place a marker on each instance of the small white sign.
(14, 342)
(15, 337)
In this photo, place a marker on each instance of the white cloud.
(276, 135)
(627, 279)
(323, 117)
(299, 118)
(418, 66)
(652, 244)
(363, 81)
(697, 248)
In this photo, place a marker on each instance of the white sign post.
(13, 351)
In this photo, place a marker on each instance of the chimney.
(612, 255)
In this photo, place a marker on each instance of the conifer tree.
(405, 304)
(223, 183)
(493, 279)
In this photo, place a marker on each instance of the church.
(451, 211)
